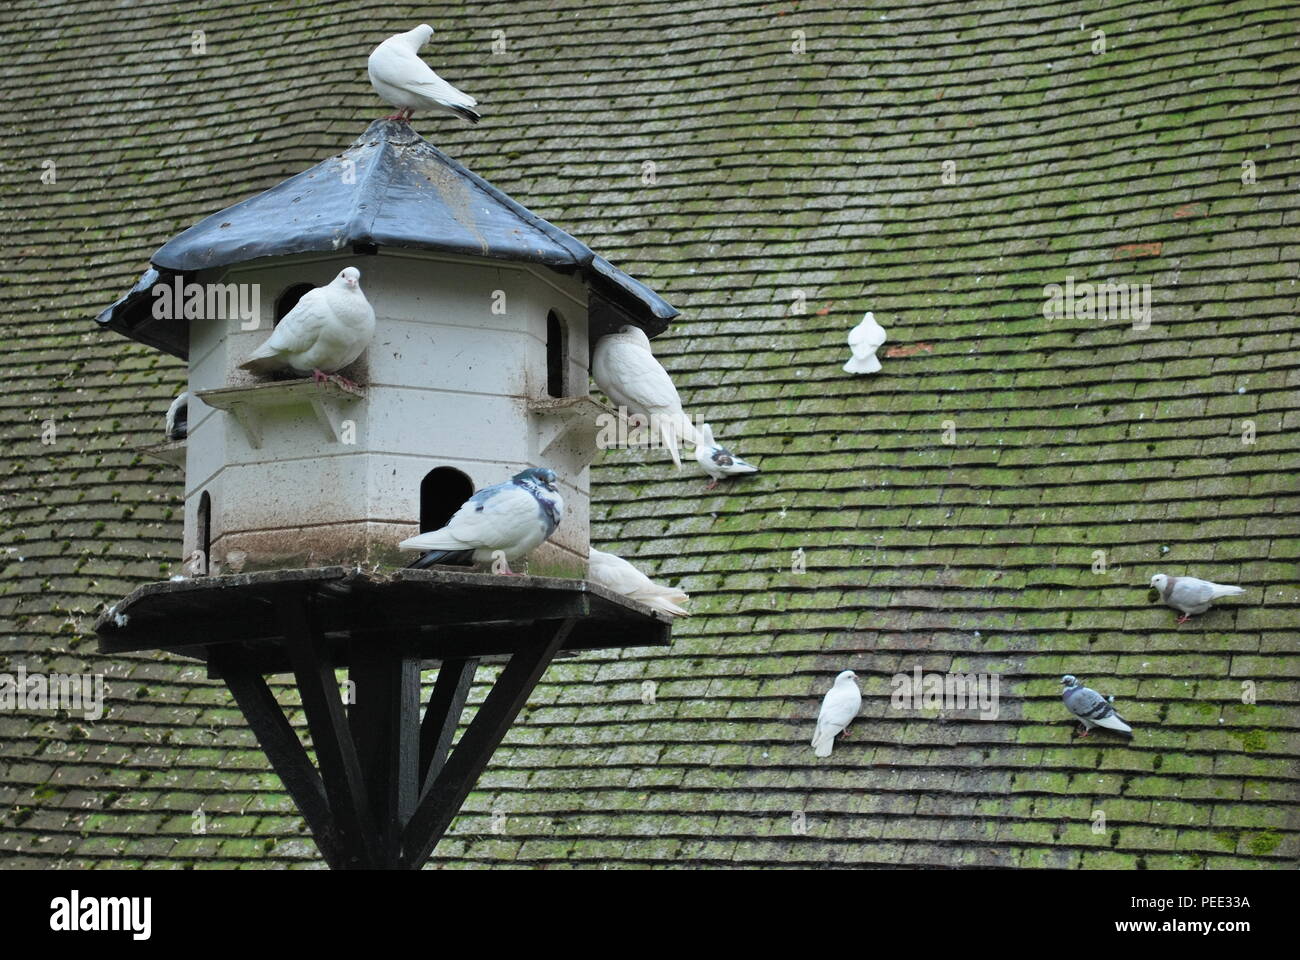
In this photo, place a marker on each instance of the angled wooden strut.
(284, 750)
(331, 736)
(446, 704)
(443, 795)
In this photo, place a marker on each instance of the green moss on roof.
(774, 174)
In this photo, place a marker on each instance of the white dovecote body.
(478, 369)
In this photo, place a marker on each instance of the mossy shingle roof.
(693, 145)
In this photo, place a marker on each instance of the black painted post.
(336, 751)
(384, 720)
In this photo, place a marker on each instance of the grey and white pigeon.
(327, 329)
(620, 576)
(514, 517)
(401, 78)
(718, 462)
(864, 340)
(1092, 709)
(177, 426)
(839, 708)
(627, 372)
(1189, 594)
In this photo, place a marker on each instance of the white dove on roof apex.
(390, 189)
(401, 78)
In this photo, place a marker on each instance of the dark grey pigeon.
(1092, 709)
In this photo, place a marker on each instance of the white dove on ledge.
(620, 576)
(513, 517)
(327, 329)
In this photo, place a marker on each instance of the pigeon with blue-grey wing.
(716, 460)
(1092, 709)
(514, 518)
(839, 708)
(1189, 594)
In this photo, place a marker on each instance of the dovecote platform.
(387, 782)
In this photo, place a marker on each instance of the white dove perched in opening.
(401, 78)
(716, 460)
(1092, 709)
(327, 329)
(176, 426)
(864, 340)
(839, 708)
(1191, 595)
(627, 372)
(620, 576)
(513, 517)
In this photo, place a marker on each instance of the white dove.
(717, 461)
(1191, 595)
(839, 708)
(627, 372)
(327, 329)
(864, 340)
(512, 517)
(176, 426)
(620, 576)
(401, 78)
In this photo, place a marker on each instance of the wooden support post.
(336, 751)
(384, 720)
(284, 750)
(442, 798)
(446, 704)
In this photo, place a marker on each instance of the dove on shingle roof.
(775, 176)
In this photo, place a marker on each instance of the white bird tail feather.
(672, 594)
(665, 604)
(434, 540)
(668, 433)
(263, 360)
(823, 741)
(1223, 590)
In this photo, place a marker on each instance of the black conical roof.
(390, 188)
